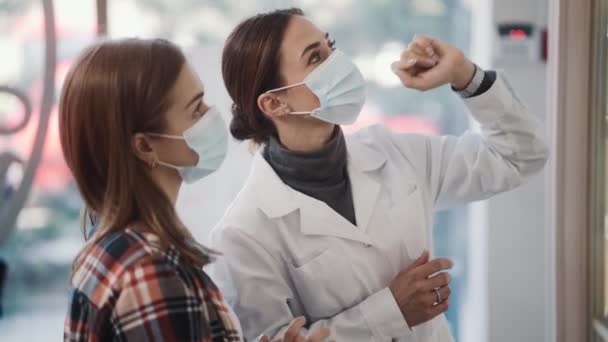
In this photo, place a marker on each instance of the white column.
(510, 240)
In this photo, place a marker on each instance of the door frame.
(597, 172)
(570, 82)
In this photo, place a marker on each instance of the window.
(39, 245)
(46, 236)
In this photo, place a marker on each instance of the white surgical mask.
(340, 87)
(208, 137)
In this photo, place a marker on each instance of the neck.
(306, 139)
(169, 182)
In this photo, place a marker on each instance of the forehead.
(300, 33)
(187, 83)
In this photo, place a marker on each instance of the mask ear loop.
(171, 166)
(303, 113)
(289, 87)
(284, 88)
(168, 136)
(154, 163)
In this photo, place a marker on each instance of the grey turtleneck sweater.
(320, 174)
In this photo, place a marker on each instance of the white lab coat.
(286, 254)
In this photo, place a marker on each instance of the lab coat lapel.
(365, 195)
(317, 218)
(320, 219)
(276, 199)
(362, 166)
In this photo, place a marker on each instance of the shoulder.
(369, 132)
(262, 197)
(375, 138)
(375, 142)
(393, 145)
(243, 214)
(113, 261)
(381, 137)
(128, 274)
(247, 226)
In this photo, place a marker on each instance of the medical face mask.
(208, 137)
(340, 87)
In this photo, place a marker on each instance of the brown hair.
(250, 67)
(114, 90)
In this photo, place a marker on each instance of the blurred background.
(503, 250)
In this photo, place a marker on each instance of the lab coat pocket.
(326, 284)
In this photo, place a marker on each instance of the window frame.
(598, 172)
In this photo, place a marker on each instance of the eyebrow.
(310, 47)
(196, 97)
(313, 45)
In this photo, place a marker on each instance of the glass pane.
(40, 245)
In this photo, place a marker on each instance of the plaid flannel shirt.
(129, 289)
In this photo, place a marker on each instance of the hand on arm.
(422, 290)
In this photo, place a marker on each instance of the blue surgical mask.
(208, 137)
(340, 87)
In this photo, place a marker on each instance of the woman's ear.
(271, 105)
(142, 147)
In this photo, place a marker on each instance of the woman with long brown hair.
(336, 227)
(134, 126)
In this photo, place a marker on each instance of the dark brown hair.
(114, 90)
(250, 67)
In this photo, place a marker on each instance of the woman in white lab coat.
(335, 228)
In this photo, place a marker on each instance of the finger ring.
(439, 299)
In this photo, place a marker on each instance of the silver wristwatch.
(474, 85)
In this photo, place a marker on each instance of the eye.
(197, 111)
(315, 57)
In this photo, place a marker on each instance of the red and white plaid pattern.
(129, 289)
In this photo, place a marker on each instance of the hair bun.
(242, 128)
(239, 126)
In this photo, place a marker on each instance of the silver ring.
(439, 299)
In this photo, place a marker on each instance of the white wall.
(517, 248)
(202, 204)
